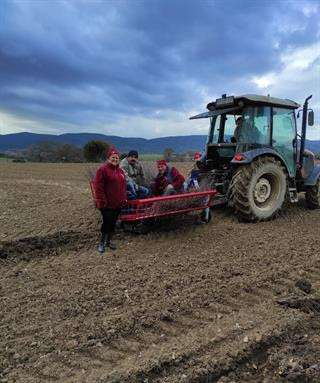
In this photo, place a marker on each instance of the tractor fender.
(251, 155)
(313, 177)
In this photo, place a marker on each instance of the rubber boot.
(102, 244)
(111, 244)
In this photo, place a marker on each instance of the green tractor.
(255, 157)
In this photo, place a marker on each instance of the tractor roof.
(232, 104)
(269, 100)
(255, 99)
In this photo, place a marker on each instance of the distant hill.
(180, 144)
(314, 146)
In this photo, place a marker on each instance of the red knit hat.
(112, 151)
(162, 162)
(197, 156)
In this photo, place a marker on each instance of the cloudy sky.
(141, 68)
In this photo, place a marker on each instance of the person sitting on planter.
(134, 176)
(110, 196)
(168, 181)
(192, 182)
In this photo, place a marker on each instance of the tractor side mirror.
(311, 118)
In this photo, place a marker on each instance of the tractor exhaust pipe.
(303, 129)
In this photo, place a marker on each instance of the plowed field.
(184, 303)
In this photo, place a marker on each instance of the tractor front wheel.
(313, 196)
(258, 190)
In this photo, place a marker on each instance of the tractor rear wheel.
(313, 196)
(258, 190)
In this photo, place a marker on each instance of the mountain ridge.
(21, 141)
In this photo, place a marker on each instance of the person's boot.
(111, 244)
(102, 244)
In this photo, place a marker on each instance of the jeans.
(190, 184)
(136, 192)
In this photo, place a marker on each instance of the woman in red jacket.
(110, 192)
(168, 181)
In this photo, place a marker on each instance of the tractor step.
(293, 195)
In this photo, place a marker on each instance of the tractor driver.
(236, 134)
(246, 132)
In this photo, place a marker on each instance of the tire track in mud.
(42, 246)
(170, 361)
(210, 357)
(204, 349)
(237, 303)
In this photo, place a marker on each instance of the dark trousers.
(109, 219)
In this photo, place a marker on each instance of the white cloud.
(302, 58)
(170, 124)
(298, 78)
(264, 81)
(14, 124)
(310, 9)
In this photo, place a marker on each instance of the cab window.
(256, 126)
(225, 122)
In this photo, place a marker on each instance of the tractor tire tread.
(238, 192)
(312, 196)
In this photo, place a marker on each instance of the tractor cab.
(251, 132)
(247, 124)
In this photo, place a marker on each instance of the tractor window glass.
(284, 133)
(214, 130)
(283, 126)
(255, 127)
(230, 127)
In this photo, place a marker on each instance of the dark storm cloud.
(79, 61)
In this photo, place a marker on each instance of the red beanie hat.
(162, 162)
(112, 151)
(197, 156)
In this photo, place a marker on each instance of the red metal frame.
(166, 205)
(140, 209)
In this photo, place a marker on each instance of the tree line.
(93, 151)
(49, 151)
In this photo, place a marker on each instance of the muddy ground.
(184, 303)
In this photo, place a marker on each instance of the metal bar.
(171, 197)
(136, 217)
(214, 113)
(271, 127)
(303, 130)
